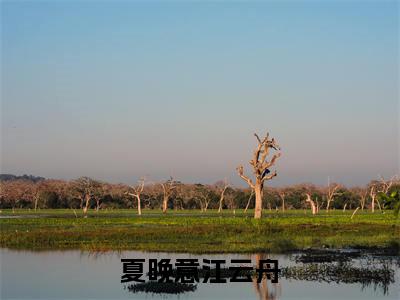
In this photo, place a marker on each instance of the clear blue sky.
(117, 90)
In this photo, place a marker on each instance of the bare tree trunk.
(313, 207)
(139, 205)
(36, 202)
(373, 204)
(344, 208)
(97, 204)
(379, 204)
(168, 188)
(372, 193)
(248, 202)
(331, 193)
(221, 199)
(137, 192)
(87, 201)
(165, 204)
(355, 212)
(205, 205)
(363, 197)
(258, 191)
(282, 196)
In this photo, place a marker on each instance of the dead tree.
(372, 194)
(379, 187)
(248, 202)
(204, 196)
(102, 190)
(386, 185)
(168, 187)
(354, 212)
(223, 188)
(363, 194)
(313, 206)
(317, 205)
(331, 193)
(137, 191)
(36, 196)
(85, 188)
(282, 196)
(261, 171)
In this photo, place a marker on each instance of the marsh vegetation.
(197, 232)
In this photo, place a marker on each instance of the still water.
(83, 275)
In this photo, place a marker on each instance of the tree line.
(86, 193)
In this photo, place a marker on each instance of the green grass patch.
(196, 232)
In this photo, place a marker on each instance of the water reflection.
(330, 267)
(377, 276)
(97, 275)
(265, 290)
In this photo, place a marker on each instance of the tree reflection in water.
(265, 290)
(337, 268)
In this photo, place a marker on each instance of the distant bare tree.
(38, 188)
(318, 206)
(168, 187)
(102, 190)
(204, 195)
(354, 212)
(230, 199)
(222, 186)
(282, 196)
(386, 185)
(373, 193)
(84, 188)
(248, 201)
(137, 191)
(331, 192)
(312, 203)
(377, 187)
(261, 170)
(362, 194)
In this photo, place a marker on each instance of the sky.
(116, 90)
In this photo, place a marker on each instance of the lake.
(82, 275)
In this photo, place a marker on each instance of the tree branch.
(266, 165)
(244, 177)
(269, 177)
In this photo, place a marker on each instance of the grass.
(196, 232)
